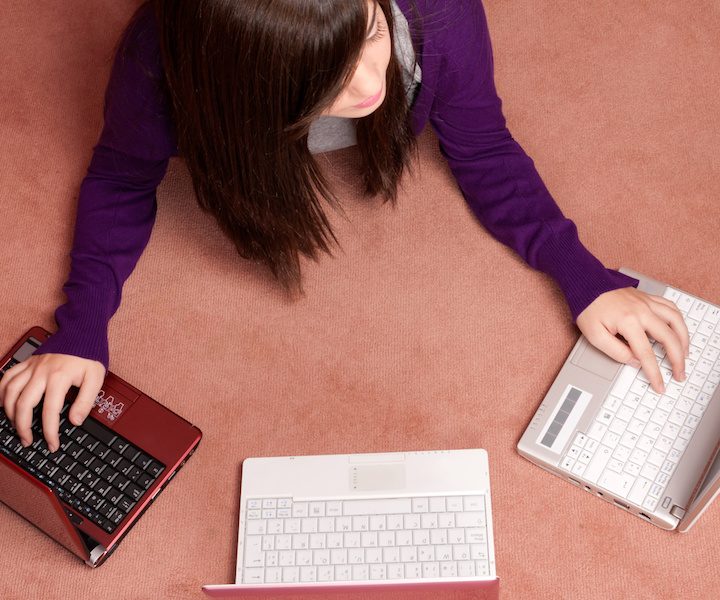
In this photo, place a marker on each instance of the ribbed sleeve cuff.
(82, 327)
(581, 276)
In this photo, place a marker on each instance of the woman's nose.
(365, 81)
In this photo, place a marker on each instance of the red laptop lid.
(35, 501)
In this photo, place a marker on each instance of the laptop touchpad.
(371, 477)
(590, 358)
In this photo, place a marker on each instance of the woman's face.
(366, 90)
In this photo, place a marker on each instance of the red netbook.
(107, 472)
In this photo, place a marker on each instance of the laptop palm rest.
(36, 502)
(591, 359)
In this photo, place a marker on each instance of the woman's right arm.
(115, 215)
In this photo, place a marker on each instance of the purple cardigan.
(117, 202)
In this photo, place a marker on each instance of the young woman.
(245, 91)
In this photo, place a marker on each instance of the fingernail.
(25, 443)
(634, 363)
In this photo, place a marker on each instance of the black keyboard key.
(93, 515)
(154, 468)
(36, 460)
(118, 445)
(142, 460)
(58, 457)
(89, 442)
(97, 430)
(101, 450)
(144, 480)
(102, 487)
(107, 525)
(126, 504)
(109, 474)
(98, 467)
(113, 458)
(77, 435)
(76, 451)
(134, 491)
(25, 452)
(82, 492)
(114, 496)
(66, 462)
(48, 468)
(124, 466)
(134, 473)
(89, 479)
(70, 483)
(120, 482)
(59, 476)
(116, 517)
(130, 452)
(94, 500)
(107, 509)
(74, 502)
(87, 459)
(77, 470)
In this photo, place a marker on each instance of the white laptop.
(383, 522)
(603, 428)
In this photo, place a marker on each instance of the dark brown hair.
(246, 79)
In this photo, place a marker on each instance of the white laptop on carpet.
(365, 522)
(603, 428)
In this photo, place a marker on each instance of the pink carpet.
(422, 333)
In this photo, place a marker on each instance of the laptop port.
(599, 493)
(621, 504)
(588, 488)
(644, 516)
(575, 481)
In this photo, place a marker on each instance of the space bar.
(381, 506)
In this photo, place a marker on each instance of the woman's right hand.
(23, 386)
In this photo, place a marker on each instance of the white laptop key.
(617, 483)
(639, 491)
(624, 381)
(597, 464)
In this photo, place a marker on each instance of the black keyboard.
(95, 471)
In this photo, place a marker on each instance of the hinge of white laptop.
(95, 555)
(677, 511)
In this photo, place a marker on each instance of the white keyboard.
(388, 539)
(638, 437)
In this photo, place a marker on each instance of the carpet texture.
(422, 331)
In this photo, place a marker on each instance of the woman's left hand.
(636, 315)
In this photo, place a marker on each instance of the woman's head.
(247, 78)
(364, 92)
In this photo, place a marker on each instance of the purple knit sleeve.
(499, 181)
(116, 207)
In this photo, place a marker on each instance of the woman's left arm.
(502, 187)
